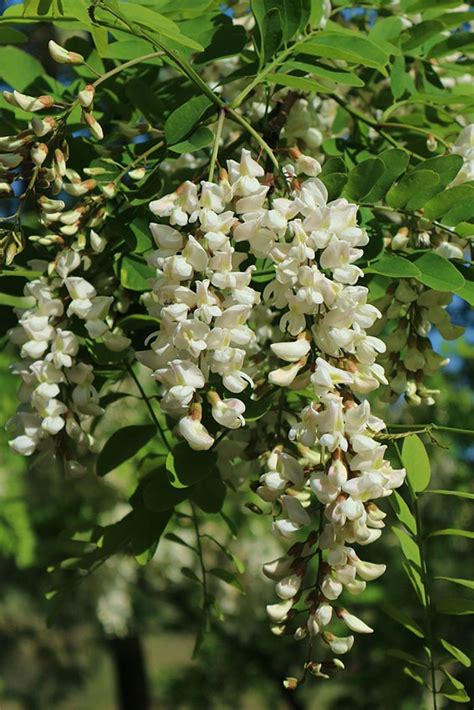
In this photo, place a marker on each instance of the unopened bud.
(290, 683)
(94, 126)
(42, 126)
(60, 162)
(86, 96)
(137, 174)
(109, 190)
(28, 103)
(62, 55)
(431, 143)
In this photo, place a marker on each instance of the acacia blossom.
(203, 298)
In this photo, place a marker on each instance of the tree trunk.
(130, 672)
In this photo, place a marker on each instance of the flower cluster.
(57, 392)
(410, 356)
(203, 299)
(313, 245)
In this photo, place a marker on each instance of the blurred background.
(125, 636)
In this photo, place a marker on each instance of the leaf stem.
(146, 399)
(215, 147)
(428, 605)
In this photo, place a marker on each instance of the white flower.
(195, 433)
(338, 644)
(228, 413)
(353, 622)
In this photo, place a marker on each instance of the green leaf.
(227, 577)
(404, 620)
(297, 82)
(455, 606)
(363, 178)
(179, 541)
(409, 547)
(420, 33)
(409, 672)
(456, 653)
(458, 494)
(469, 583)
(455, 532)
(333, 75)
(409, 186)
(457, 42)
(416, 463)
(352, 47)
(446, 166)
(403, 512)
(159, 494)
(192, 466)
(467, 291)
(395, 162)
(452, 206)
(122, 445)
(8, 35)
(209, 494)
(151, 20)
(135, 272)
(19, 69)
(438, 273)
(394, 266)
(188, 572)
(399, 79)
(182, 120)
(201, 138)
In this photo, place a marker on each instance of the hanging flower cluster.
(203, 299)
(57, 392)
(410, 356)
(313, 245)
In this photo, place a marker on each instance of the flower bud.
(137, 174)
(42, 126)
(62, 55)
(28, 103)
(290, 683)
(109, 190)
(94, 126)
(86, 96)
(97, 242)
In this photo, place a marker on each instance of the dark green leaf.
(404, 620)
(209, 494)
(182, 120)
(122, 445)
(458, 494)
(455, 606)
(395, 162)
(228, 577)
(409, 186)
(159, 494)
(201, 138)
(192, 466)
(363, 178)
(418, 34)
(455, 532)
(469, 583)
(452, 206)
